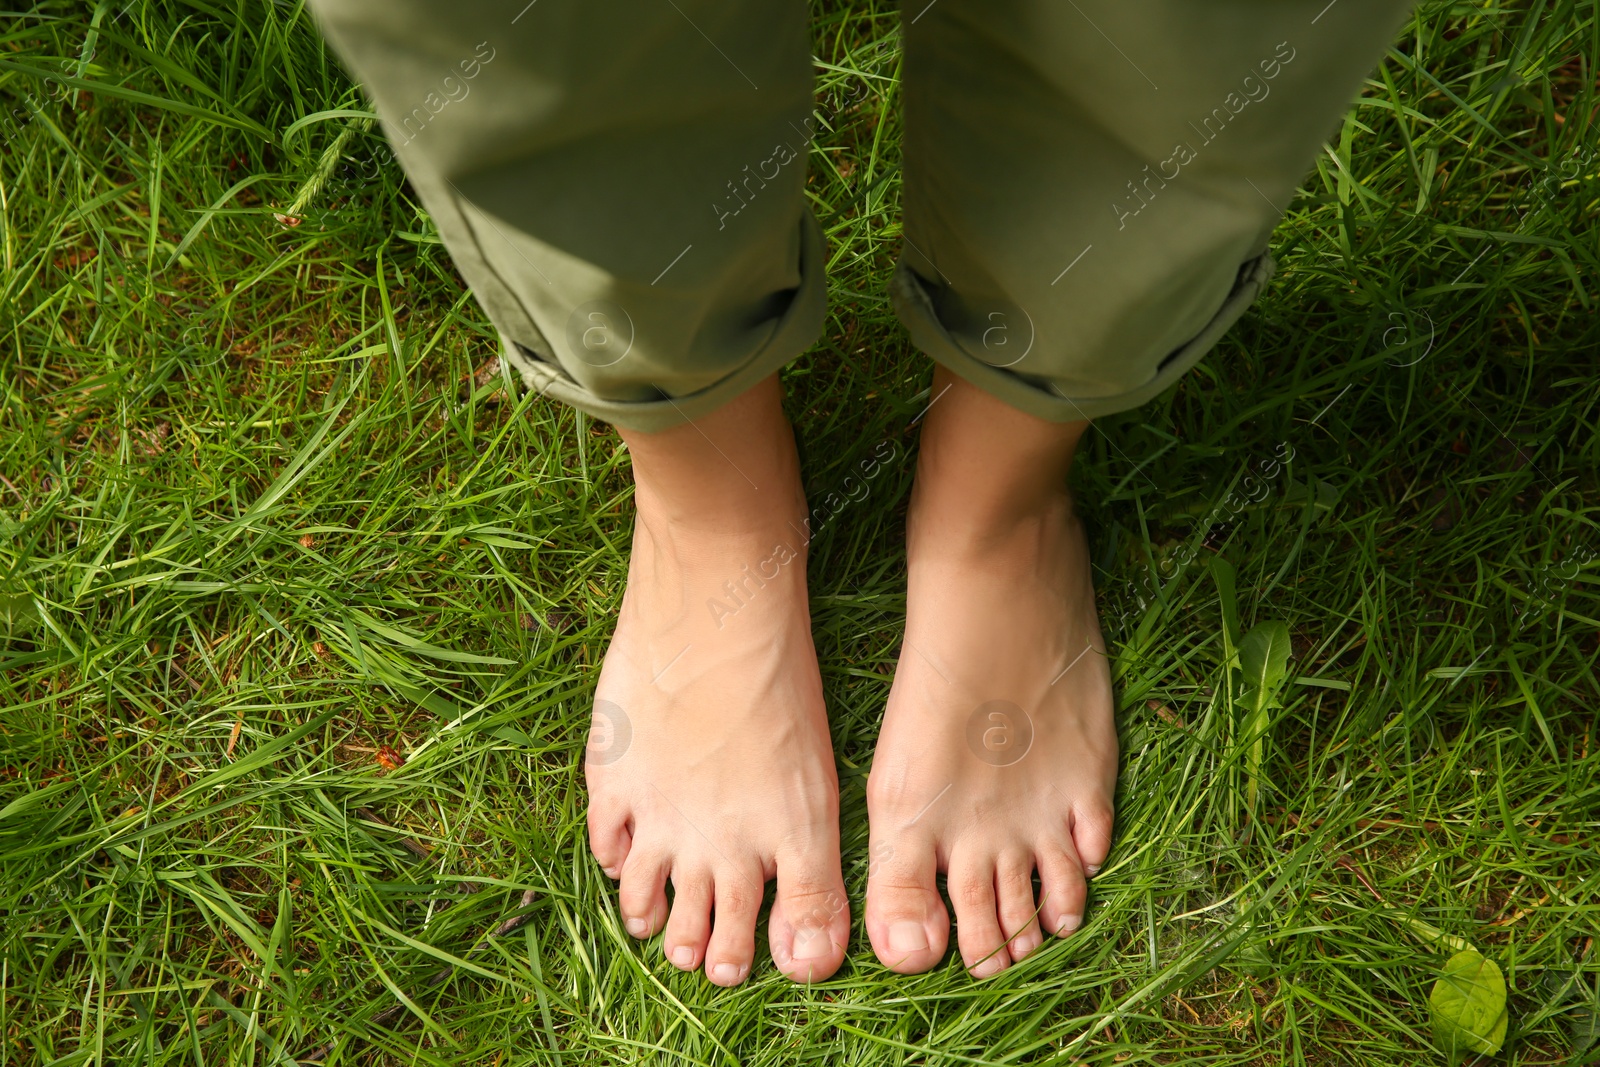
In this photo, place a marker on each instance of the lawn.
(302, 599)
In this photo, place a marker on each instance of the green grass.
(268, 507)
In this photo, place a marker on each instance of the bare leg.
(998, 753)
(710, 761)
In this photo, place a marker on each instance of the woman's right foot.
(710, 762)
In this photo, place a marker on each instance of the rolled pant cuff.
(1049, 401)
(793, 333)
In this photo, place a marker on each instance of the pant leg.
(620, 182)
(1090, 185)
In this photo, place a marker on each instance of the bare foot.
(998, 753)
(709, 760)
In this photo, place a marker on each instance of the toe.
(1062, 888)
(689, 927)
(906, 919)
(978, 933)
(733, 933)
(1091, 835)
(1019, 920)
(642, 898)
(609, 837)
(810, 921)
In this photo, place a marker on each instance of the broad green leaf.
(17, 615)
(1264, 663)
(1585, 1028)
(1468, 1004)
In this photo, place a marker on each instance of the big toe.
(906, 918)
(810, 921)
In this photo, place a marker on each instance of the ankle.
(988, 474)
(992, 520)
(732, 473)
(717, 506)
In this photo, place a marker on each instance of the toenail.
(811, 943)
(612, 872)
(993, 965)
(907, 937)
(1092, 869)
(1024, 944)
(1069, 924)
(638, 927)
(683, 956)
(727, 973)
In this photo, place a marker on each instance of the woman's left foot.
(998, 752)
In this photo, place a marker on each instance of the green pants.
(1089, 185)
